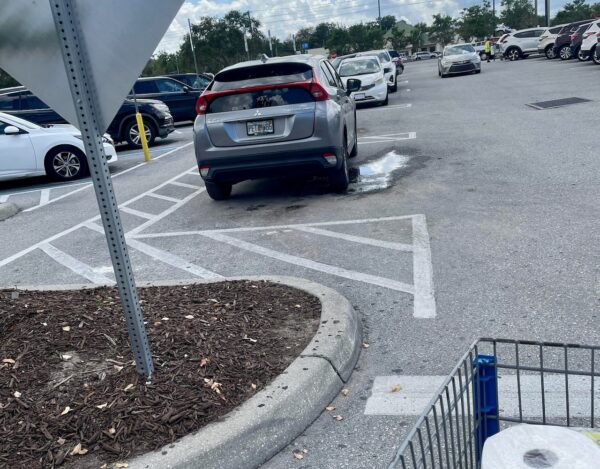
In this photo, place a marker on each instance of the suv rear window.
(555, 30)
(9, 103)
(260, 99)
(260, 75)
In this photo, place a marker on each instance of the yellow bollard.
(141, 130)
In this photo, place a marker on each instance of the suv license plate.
(259, 127)
(359, 96)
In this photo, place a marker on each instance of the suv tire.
(65, 164)
(565, 52)
(549, 52)
(582, 57)
(594, 54)
(513, 54)
(218, 190)
(354, 152)
(340, 179)
(132, 136)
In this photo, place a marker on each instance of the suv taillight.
(598, 34)
(574, 36)
(587, 34)
(318, 92)
(542, 38)
(201, 105)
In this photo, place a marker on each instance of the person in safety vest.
(487, 47)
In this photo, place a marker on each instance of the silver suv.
(273, 117)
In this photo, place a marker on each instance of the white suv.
(546, 41)
(590, 41)
(389, 67)
(520, 44)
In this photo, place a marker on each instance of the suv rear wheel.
(582, 56)
(132, 133)
(513, 54)
(549, 52)
(340, 179)
(218, 190)
(565, 52)
(595, 54)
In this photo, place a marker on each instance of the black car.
(562, 44)
(180, 97)
(198, 82)
(577, 39)
(21, 102)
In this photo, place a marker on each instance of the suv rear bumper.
(297, 163)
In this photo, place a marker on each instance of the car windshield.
(359, 67)
(459, 50)
(21, 122)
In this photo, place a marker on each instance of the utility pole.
(270, 43)
(547, 12)
(379, 9)
(192, 46)
(494, 17)
(245, 39)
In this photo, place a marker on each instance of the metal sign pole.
(85, 100)
(193, 49)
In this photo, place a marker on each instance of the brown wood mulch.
(69, 391)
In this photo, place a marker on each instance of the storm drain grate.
(557, 103)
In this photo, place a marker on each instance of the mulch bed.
(69, 392)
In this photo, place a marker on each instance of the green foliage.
(387, 22)
(443, 29)
(6, 80)
(518, 14)
(399, 38)
(576, 11)
(418, 34)
(477, 21)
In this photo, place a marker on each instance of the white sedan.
(369, 71)
(28, 150)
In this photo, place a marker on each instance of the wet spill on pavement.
(377, 174)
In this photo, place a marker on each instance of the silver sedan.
(459, 58)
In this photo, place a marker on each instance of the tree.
(6, 80)
(398, 38)
(365, 36)
(387, 22)
(442, 30)
(319, 36)
(477, 21)
(575, 11)
(338, 40)
(417, 35)
(519, 14)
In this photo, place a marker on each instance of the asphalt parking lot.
(470, 214)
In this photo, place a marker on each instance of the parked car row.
(162, 101)
(578, 39)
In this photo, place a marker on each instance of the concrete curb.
(267, 422)
(7, 210)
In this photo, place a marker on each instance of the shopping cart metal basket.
(497, 383)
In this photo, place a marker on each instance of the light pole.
(379, 10)
(192, 46)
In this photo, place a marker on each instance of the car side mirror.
(12, 130)
(387, 70)
(353, 85)
(186, 89)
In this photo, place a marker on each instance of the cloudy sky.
(284, 18)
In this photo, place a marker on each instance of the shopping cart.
(499, 383)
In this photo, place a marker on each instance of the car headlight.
(445, 62)
(476, 59)
(162, 108)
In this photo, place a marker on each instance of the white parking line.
(87, 185)
(385, 108)
(75, 265)
(357, 239)
(137, 213)
(310, 264)
(417, 391)
(163, 256)
(44, 196)
(164, 197)
(185, 184)
(422, 270)
(35, 246)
